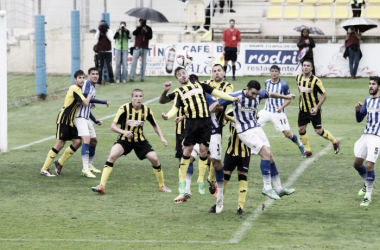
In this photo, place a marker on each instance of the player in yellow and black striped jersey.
(66, 129)
(310, 107)
(131, 117)
(190, 97)
(218, 82)
(238, 156)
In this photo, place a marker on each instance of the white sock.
(188, 183)
(267, 182)
(276, 183)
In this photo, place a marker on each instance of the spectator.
(121, 52)
(356, 6)
(208, 14)
(307, 44)
(104, 35)
(143, 34)
(231, 46)
(221, 4)
(353, 50)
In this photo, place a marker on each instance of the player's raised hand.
(358, 106)
(167, 85)
(164, 116)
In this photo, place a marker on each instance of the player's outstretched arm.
(361, 111)
(159, 133)
(164, 96)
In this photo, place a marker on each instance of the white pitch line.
(53, 136)
(247, 224)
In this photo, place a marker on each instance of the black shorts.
(197, 131)
(230, 54)
(66, 132)
(305, 117)
(178, 146)
(141, 148)
(231, 162)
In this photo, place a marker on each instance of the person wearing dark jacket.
(143, 34)
(306, 42)
(104, 35)
(352, 44)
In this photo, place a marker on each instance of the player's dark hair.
(232, 20)
(93, 69)
(275, 67)
(375, 78)
(178, 69)
(78, 73)
(218, 64)
(253, 84)
(306, 60)
(136, 90)
(193, 78)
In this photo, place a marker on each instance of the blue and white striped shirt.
(245, 111)
(214, 121)
(281, 87)
(87, 89)
(371, 108)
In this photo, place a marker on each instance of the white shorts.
(195, 151)
(85, 127)
(255, 139)
(367, 147)
(215, 147)
(279, 120)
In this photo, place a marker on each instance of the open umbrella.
(147, 14)
(361, 24)
(312, 30)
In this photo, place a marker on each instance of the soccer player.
(311, 107)
(180, 127)
(367, 147)
(253, 136)
(274, 110)
(237, 156)
(191, 98)
(217, 82)
(66, 129)
(85, 128)
(131, 117)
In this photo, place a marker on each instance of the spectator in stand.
(353, 49)
(104, 35)
(231, 46)
(306, 43)
(221, 5)
(356, 6)
(121, 37)
(143, 34)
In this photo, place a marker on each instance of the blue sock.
(265, 167)
(219, 175)
(362, 171)
(85, 149)
(190, 169)
(294, 138)
(273, 169)
(91, 151)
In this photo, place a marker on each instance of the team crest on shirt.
(135, 123)
(248, 109)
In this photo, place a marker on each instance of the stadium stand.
(291, 12)
(326, 2)
(310, 1)
(277, 1)
(373, 2)
(373, 12)
(288, 2)
(324, 12)
(341, 12)
(342, 2)
(274, 12)
(307, 12)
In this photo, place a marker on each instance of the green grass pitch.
(63, 213)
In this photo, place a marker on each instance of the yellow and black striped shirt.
(133, 120)
(180, 127)
(226, 87)
(235, 146)
(309, 89)
(192, 100)
(73, 99)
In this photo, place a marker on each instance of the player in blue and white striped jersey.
(274, 110)
(367, 147)
(85, 128)
(252, 135)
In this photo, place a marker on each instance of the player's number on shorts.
(376, 150)
(283, 121)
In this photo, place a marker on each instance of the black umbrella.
(147, 14)
(361, 24)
